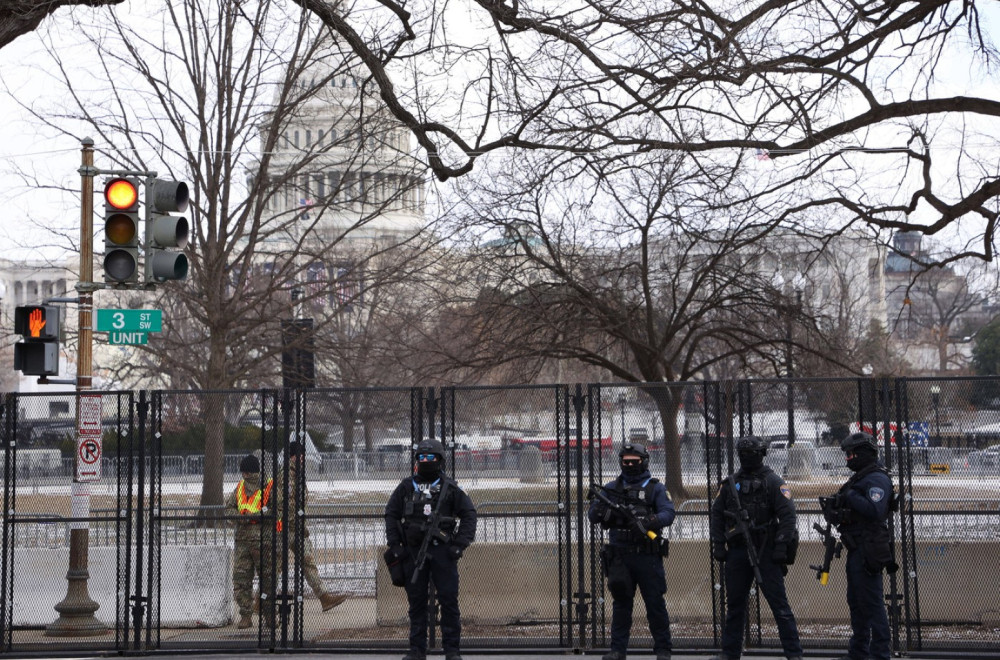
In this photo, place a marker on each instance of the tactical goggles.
(423, 458)
(630, 462)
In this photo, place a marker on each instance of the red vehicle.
(549, 445)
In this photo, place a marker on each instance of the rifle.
(626, 513)
(432, 532)
(832, 547)
(742, 518)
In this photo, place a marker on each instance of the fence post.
(908, 552)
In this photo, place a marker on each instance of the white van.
(777, 455)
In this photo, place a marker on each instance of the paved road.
(479, 655)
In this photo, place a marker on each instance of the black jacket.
(769, 501)
(456, 505)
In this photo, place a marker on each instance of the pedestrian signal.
(38, 354)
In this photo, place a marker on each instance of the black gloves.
(719, 551)
(652, 521)
(780, 554)
(455, 552)
(835, 509)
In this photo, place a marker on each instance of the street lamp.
(789, 373)
(936, 402)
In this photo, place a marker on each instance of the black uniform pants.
(869, 621)
(645, 571)
(739, 579)
(441, 568)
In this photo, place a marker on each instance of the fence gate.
(80, 558)
(8, 427)
(139, 480)
(158, 562)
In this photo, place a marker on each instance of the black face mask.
(633, 470)
(751, 461)
(861, 460)
(429, 470)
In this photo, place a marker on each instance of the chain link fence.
(160, 544)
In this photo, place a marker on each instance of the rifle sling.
(428, 533)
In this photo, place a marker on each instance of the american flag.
(348, 287)
(316, 282)
(762, 154)
(306, 204)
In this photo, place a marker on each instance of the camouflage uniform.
(308, 562)
(252, 538)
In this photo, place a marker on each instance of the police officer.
(770, 517)
(632, 559)
(407, 515)
(860, 509)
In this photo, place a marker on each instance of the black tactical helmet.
(634, 448)
(431, 447)
(751, 444)
(856, 441)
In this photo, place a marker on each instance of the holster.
(616, 574)
(394, 561)
(877, 551)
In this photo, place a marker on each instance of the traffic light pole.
(76, 611)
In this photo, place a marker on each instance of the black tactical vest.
(637, 497)
(756, 498)
(418, 505)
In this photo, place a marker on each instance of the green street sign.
(129, 320)
(132, 338)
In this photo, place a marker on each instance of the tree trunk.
(214, 469)
(347, 423)
(668, 401)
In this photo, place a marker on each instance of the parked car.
(777, 454)
(984, 459)
(394, 456)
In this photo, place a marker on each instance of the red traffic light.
(121, 193)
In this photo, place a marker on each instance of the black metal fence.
(114, 538)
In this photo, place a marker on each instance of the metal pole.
(789, 371)
(76, 611)
(936, 400)
(621, 405)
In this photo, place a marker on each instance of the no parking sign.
(88, 439)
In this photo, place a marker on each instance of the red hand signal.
(36, 323)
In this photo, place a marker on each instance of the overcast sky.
(29, 146)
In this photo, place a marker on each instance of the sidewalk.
(493, 655)
(211, 643)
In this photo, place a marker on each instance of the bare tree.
(941, 306)
(20, 17)
(605, 262)
(841, 99)
(217, 99)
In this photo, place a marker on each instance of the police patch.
(786, 491)
(875, 494)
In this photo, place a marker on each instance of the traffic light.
(166, 235)
(121, 230)
(38, 354)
